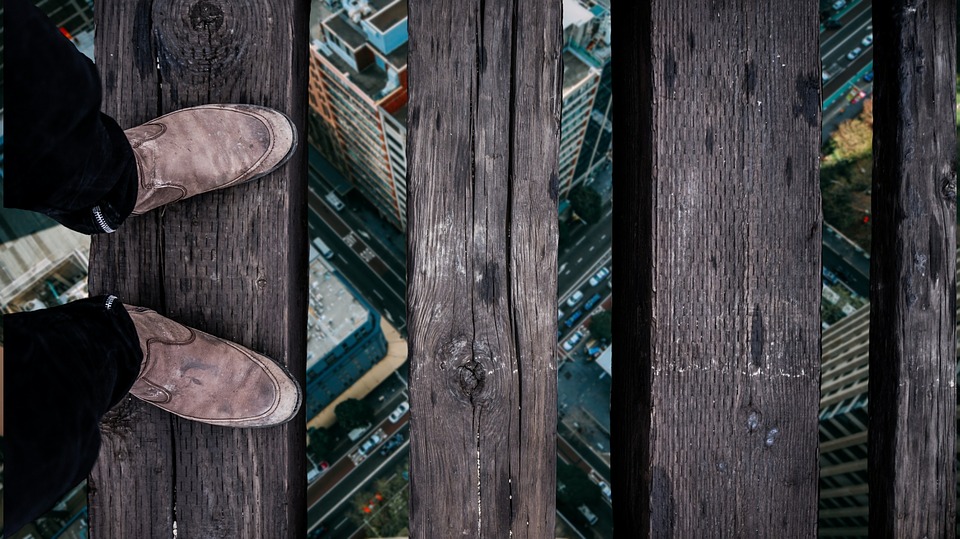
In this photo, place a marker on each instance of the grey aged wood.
(483, 133)
(231, 263)
(717, 266)
(913, 266)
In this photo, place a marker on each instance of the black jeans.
(65, 367)
(64, 158)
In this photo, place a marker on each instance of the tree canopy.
(586, 203)
(353, 413)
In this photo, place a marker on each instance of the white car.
(572, 341)
(867, 41)
(605, 489)
(575, 298)
(399, 411)
(854, 53)
(838, 5)
(599, 276)
(824, 76)
(370, 444)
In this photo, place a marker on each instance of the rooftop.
(387, 18)
(575, 70)
(333, 313)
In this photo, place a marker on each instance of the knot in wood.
(206, 16)
(471, 377)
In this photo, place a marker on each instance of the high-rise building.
(344, 337)
(358, 96)
(358, 93)
(843, 427)
(587, 33)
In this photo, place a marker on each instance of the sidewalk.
(396, 355)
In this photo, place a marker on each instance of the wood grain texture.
(717, 263)
(912, 385)
(483, 136)
(231, 263)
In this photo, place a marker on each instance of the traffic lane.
(343, 466)
(352, 268)
(353, 240)
(845, 19)
(851, 24)
(355, 222)
(337, 500)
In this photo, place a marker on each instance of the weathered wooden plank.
(913, 281)
(231, 263)
(483, 134)
(717, 262)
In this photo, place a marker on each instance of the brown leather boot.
(200, 149)
(204, 378)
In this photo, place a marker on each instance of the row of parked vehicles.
(600, 276)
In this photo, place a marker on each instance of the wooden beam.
(231, 263)
(483, 134)
(717, 262)
(913, 356)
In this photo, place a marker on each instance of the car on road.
(391, 444)
(572, 341)
(573, 318)
(370, 444)
(588, 514)
(599, 276)
(334, 201)
(398, 412)
(839, 4)
(574, 298)
(317, 532)
(855, 95)
(824, 76)
(559, 314)
(833, 24)
(867, 41)
(605, 489)
(852, 55)
(591, 302)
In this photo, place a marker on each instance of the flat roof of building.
(575, 70)
(333, 313)
(338, 25)
(387, 18)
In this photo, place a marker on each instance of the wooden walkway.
(231, 263)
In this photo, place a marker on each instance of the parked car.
(868, 77)
(572, 341)
(852, 55)
(573, 318)
(391, 444)
(588, 514)
(574, 298)
(605, 489)
(599, 276)
(855, 95)
(370, 444)
(867, 41)
(398, 412)
(591, 302)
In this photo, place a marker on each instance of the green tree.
(353, 413)
(586, 203)
(320, 442)
(574, 488)
(601, 326)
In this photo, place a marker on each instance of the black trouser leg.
(64, 158)
(65, 367)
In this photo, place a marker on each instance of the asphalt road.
(857, 20)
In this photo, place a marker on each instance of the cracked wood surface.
(483, 133)
(717, 267)
(912, 387)
(231, 263)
